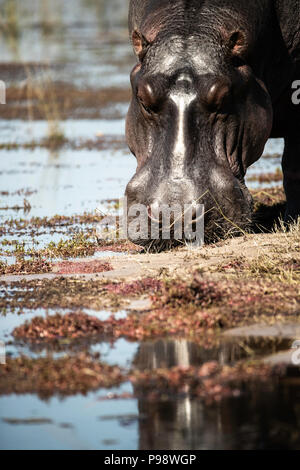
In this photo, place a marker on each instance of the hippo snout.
(175, 211)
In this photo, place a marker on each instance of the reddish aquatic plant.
(65, 376)
(198, 293)
(71, 325)
(140, 287)
(22, 266)
(82, 267)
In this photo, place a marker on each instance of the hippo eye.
(144, 106)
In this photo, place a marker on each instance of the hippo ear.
(140, 44)
(237, 42)
(288, 15)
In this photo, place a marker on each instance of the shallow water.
(89, 423)
(76, 422)
(101, 420)
(265, 416)
(74, 183)
(22, 132)
(85, 42)
(267, 165)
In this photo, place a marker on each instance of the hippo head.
(199, 116)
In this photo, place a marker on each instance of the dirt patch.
(195, 293)
(63, 376)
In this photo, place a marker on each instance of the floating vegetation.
(55, 327)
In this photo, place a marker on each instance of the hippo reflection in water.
(213, 82)
(246, 421)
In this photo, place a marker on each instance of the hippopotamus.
(213, 82)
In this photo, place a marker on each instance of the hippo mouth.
(203, 225)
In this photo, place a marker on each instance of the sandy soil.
(183, 261)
